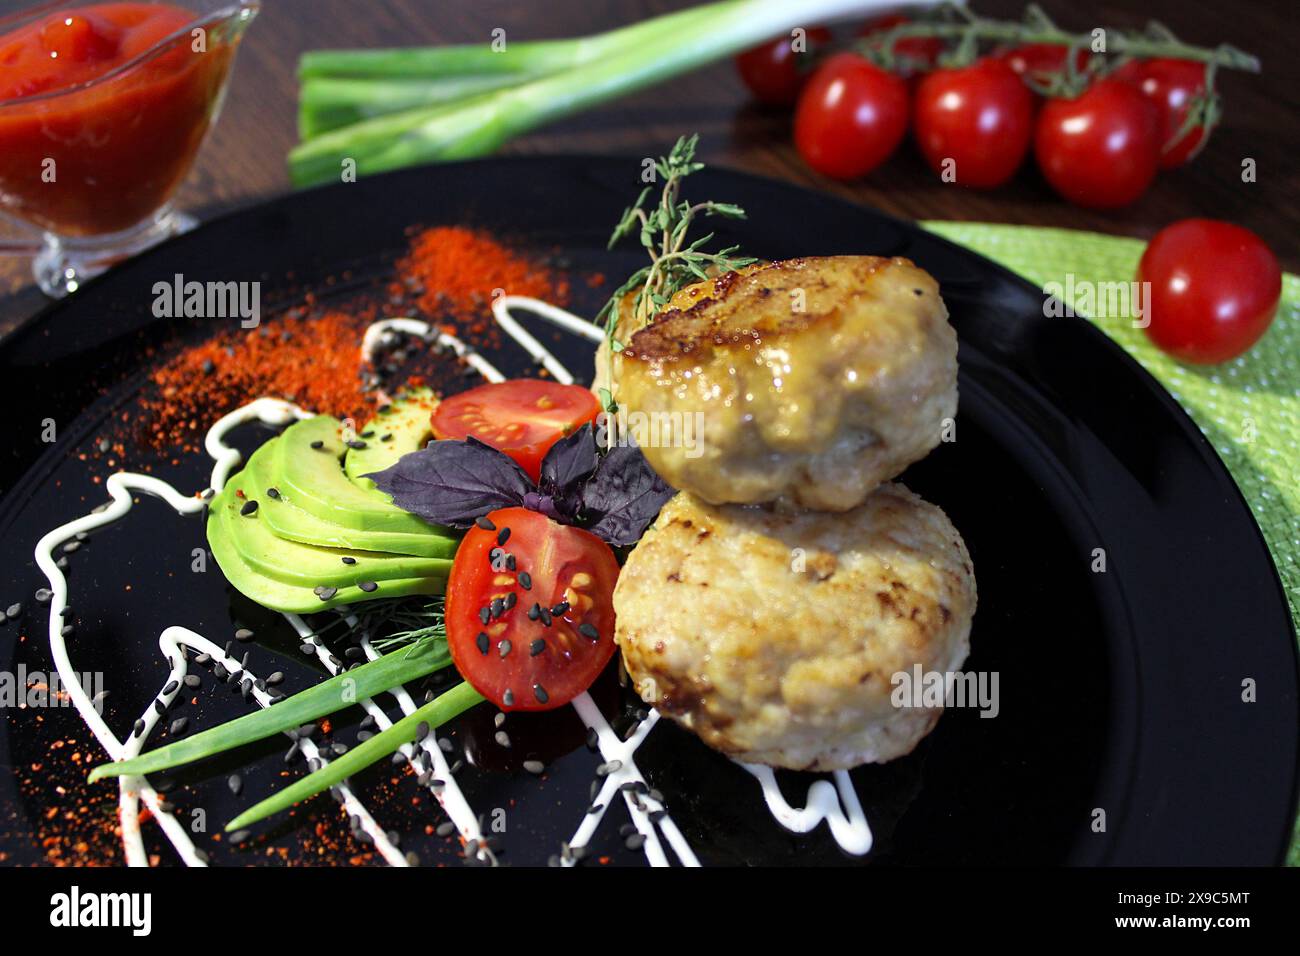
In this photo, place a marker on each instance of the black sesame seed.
(484, 614)
(560, 609)
(249, 507)
(348, 559)
(327, 594)
(481, 642)
(536, 647)
(593, 738)
(318, 444)
(534, 612)
(511, 600)
(483, 522)
(545, 615)
(510, 562)
(503, 536)
(525, 580)
(171, 687)
(540, 693)
(497, 607)
(587, 630)
(388, 437)
(273, 493)
(368, 586)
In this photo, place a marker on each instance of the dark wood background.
(244, 158)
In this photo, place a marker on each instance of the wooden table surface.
(243, 161)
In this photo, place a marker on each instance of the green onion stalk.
(417, 660)
(471, 99)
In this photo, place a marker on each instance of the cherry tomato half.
(522, 417)
(536, 635)
(774, 72)
(850, 118)
(1172, 86)
(979, 118)
(1100, 149)
(1214, 289)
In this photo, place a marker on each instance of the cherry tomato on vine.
(977, 118)
(920, 54)
(1173, 86)
(1214, 289)
(850, 118)
(1100, 149)
(773, 71)
(530, 609)
(522, 417)
(1041, 60)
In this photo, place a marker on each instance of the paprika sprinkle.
(313, 356)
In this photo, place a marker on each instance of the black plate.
(1119, 691)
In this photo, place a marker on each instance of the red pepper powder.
(313, 357)
(458, 270)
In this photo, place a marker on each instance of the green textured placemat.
(1248, 408)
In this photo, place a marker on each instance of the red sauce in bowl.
(99, 119)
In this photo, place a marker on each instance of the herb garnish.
(614, 495)
(674, 262)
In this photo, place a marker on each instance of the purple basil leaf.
(454, 482)
(624, 496)
(568, 461)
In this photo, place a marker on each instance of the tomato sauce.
(92, 142)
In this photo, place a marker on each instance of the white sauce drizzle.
(848, 826)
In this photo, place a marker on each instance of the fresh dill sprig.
(674, 262)
(389, 623)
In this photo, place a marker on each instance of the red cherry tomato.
(1038, 61)
(851, 116)
(773, 72)
(1172, 85)
(1214, 289)
(552, 632)
(919, 54)
(1100, 149)
(523, 417)
(979, 117)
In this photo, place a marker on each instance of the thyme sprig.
(675, 262)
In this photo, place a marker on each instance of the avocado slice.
(291, 562)
(402, 427)
(290, 598)
(286, 520)
(307, 469)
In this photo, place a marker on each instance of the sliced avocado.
(308, 471)
(400, 428)
(292, 562)
(290, 598)
(286, 520)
